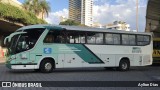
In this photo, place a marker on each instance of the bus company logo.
(136, 50)
(6, 84)
(47, 50)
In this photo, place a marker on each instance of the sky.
(104, 12)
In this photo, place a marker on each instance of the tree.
(9, 1)
(70, 23)
(37, 7)
(45, 8)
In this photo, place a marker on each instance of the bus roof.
(78, 28)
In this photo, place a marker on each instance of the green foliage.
(70, 23)
(37, 7)
(15, 14)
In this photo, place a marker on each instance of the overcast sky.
(105, 11)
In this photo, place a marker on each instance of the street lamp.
(137, 15)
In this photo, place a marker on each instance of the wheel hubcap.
(48, 66)
(124, 66)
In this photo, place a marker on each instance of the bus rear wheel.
(124, 65)
(46, 66)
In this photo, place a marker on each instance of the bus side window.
(55, 37)
(58, 39)
(112, 39)
(128, 39)
(116, 39)
(91, 39)
(125, 40)
(99, 38)
(109, 38)
(132, 39)
(49, 37)
(143, 40)
(76, 37)
(71, 39)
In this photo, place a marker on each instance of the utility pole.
(137, 15)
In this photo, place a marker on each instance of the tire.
(124, 65)
(46, 66)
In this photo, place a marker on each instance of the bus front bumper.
(13, 66)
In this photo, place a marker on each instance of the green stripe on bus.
(86, 54)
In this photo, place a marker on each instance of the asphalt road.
(149, 73)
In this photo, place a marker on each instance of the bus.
(47, 47)
(156, 50)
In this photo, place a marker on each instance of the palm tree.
(27, 5)
(37, 7)
(45, 8)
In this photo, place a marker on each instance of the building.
(97, 25)
(118, 25)
(81, 11)
(63, 19)
(153, 17)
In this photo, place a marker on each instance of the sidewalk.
(2, 60)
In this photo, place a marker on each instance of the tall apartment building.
(81, 11)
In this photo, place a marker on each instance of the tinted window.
(112, 39)
(109, 38)
(54, 36)
(91, 38)
(132, 39)
(99, 38)
(76, 37)
(143, 40)
(28, 40)
(116, 38)
(125, 40)
(128, 39)
(80, 38)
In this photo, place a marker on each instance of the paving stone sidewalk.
(2, 60)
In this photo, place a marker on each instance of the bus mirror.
(6, 40)
(13, 34)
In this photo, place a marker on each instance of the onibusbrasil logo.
(20, 84)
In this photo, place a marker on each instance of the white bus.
(47, 47)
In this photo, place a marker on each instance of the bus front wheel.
(124, 65)
(46, 66)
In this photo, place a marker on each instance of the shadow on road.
(79, 70)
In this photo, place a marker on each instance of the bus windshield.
(12, 45)
(25, 41)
